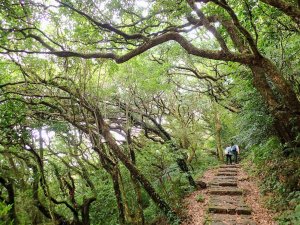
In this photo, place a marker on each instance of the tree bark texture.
(283, 116)
(139, 218)
(291, 10)
(116, 185)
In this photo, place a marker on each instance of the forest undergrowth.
(278, 175)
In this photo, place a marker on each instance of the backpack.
(233, 148)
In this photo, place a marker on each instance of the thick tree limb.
(292, 11)
(170, 36)
(239, 26)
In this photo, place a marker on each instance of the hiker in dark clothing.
(235, 151)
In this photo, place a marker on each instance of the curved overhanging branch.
(170, 36)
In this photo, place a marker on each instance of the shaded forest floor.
(197, 203)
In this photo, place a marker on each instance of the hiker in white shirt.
(228, 155)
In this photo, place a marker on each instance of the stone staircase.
(227, 206)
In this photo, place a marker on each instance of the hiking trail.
(230, 199)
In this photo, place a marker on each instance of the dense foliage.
(111, 110)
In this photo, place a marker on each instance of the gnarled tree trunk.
(105, 132)
(8, 185)
(283, 105)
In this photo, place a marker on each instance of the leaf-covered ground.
(195, 209)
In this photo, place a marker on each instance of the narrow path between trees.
(231, 198)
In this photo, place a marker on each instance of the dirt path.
(231, 198)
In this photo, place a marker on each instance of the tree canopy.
(122, 103)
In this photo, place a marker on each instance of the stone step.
(230, 166)
(226, 219)
(226, 174)
(223, 183)
(218, 190)
(226, 177)
(229, 170)
(229, 210)
(228, 205)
